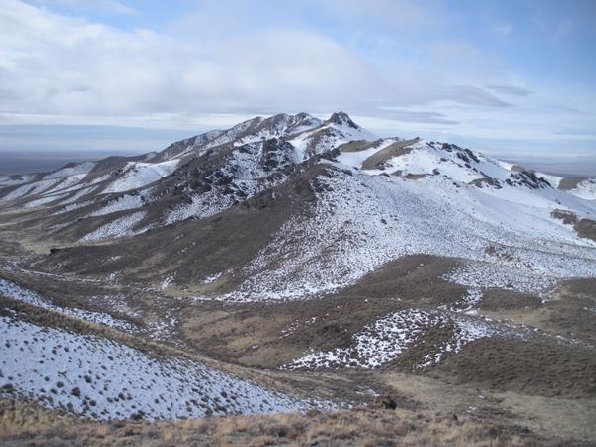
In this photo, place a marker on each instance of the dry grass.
(29, 424)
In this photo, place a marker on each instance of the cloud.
(398, 64)
(411, 116)
(86, 6)
(398, 15)
(512, 90)
(59, 65)
(469, 95)
(576, 132)
(64, 66)
(502, 31)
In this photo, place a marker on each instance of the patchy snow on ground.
(492, 275)
(124, 202)
(355, 159)
(16, 292)
(165, 328)
(60, 191)
(454, 162)
(137, 175)
(30, 189)
(44, 200)
(67, 184)
(278, 126)
(325, 138)
(46, 189)
(166, 282)
(378, 343)
(466, 329)
(102, 379)
(12, 180)
(360, 222)
(586, 189)
(76, 196)
(466, 303)
(211, 278)
(72, 206)
(458, 203)
(77, 169)
(388, 337)
(250, 176)
(120, 227)
(97, 180)
(200, 206)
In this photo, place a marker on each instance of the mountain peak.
(342, 118)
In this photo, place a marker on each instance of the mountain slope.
(106, 380)
(229, 266)
(367, 202)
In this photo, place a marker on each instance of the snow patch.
(117, 228)
(102, 379)
(19, 293)
(137, 175)
(360, 222)
(388, 337)
(122, 203)
(586, 189)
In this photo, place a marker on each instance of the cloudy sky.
(507, 77)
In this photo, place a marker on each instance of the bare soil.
(398, 148)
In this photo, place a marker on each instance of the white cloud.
(509, 89)
(87, 6)
(62, 66)
(202, 71)
(502, 31)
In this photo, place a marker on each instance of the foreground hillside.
(300, 266)
(29, 425)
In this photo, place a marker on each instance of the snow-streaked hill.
(361, 221)
(102, 379)
(374, 200)
(199, 279)
(387, 338)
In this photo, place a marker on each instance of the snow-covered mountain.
(272, 211)
(345, 202)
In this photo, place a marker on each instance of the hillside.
(294, 264)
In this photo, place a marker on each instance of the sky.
(510, 78)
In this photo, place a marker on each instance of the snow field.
(361, 222)
(16, 292)
(117, 228)
(586, 189)
(137, 175)
(102, 379)
(124, 202)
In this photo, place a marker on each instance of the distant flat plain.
(27, 162)
(41, 148)
(16, 162)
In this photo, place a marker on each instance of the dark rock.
(384, 401)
